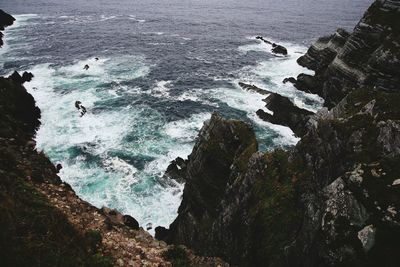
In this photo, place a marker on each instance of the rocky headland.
(5, 20)
(333, 199)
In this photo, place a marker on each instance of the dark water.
(163, 67)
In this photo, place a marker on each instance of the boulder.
(17, 78)
(290, 80)
(130, 222)
(308, 84)
(279, 49)
(161, 233)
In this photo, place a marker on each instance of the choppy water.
(164, 67)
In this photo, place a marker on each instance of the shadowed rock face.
(367, 57)
(334, 199)
(5, 20)
(223, 147)
(284, 111)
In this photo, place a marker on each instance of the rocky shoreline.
(332, 200)
(43, 222)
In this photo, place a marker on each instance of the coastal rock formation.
(276, 48)
(17, 78)
(44, 223)
(367, 57)
(284, 112)
(332, 200)
(5, 20)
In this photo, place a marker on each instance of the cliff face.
(334, 199)
(5, 20)
(368, 56)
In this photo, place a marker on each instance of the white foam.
(186, 130)
(115, 164)
(115, 182)
(276, 69)
(161, 89)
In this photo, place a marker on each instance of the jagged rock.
(290, 80)
(308, 84)
(278, 49)
(27, 76)
(366, 57)
(161, 233)
(222, 146)
(334, 199)
(284, 111)
(17, 78)
(130, 222)
(176, 170)
(5, 20)
(253, 88)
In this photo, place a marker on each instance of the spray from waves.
(161, 89)
(250, 102)
(114, 155)
(186, 130)
(269, 74)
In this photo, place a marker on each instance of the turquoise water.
(159, 77)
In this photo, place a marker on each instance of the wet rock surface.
(5, 20)
(284, 112)
(366, 57)
(276, 48)
(332, 200)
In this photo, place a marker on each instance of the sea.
(162, 68)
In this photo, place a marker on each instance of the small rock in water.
(149, 226)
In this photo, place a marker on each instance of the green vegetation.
(94, 239)
(276, 216)
(178, 256)
(99, 260)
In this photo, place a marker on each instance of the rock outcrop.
(332, 200)
(276, 48)
(367, 57)
(284, 112)
(5, 20)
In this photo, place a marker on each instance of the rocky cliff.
(368, 56)
(5, 20)
(44, 223)
(332, 200)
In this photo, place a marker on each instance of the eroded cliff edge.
(334, 199)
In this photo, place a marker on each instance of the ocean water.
(163, 68)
